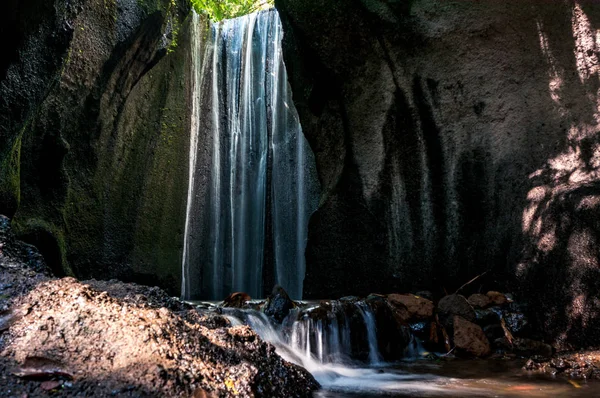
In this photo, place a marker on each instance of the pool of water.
(454, 378)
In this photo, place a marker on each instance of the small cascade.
(323, 339)
(331, 334)
(253, 181)
(414, 349)
(369, 318)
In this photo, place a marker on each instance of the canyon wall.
(95, 113)
(453, 139)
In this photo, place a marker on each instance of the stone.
(279, 304)
(525, 347)
(497, 298)
(393, 331)
(487, 317)
(236, 300)
(469, 338)
(516, 320)
(455, 304)
(493, 332)
(478, 300)
(419, 308)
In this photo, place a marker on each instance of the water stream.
(324, 349)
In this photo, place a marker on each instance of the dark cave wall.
(98, 133)
(453, 139)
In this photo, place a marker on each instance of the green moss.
(10, 178)
(50, 241)
(175, 34)
(218, 10)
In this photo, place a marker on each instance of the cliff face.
(95, 114)
(452, 139)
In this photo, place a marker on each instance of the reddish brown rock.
(479, 300)
(417, 307)
(236, 300)
(469, 338)
(455, 304)
(497, 298)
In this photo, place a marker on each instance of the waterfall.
(369, 318)
(252, 181)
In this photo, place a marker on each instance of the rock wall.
(454, 139)
(95, 113)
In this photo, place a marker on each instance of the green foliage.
(225, 9)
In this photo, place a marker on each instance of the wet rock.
(426, 294)
(516, 320)
(349, 299)
(559, 364)
(418, 308)
(202, 393)
(487, 317)
(493, 332)
(236, 300)
(578, 365)
(532, 365)
(497, 298)
(525, 347)
(400, 312)
(479, 300)
(455, 304)
(393, 334)
(420, 327)
(279, 304)
(469, 338)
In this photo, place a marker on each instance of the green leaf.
(218, 10)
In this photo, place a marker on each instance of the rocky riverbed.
(64, 337)
(99, 338)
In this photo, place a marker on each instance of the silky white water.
(326, 353)
(253, 182)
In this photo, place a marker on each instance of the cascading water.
(252, 182)
(374, 357)
(325, 345)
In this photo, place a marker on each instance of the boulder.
(479, 300)
(525, 347)
(278, 304)
(236, 300)
(419, 308)
(455, 304)
(393, 332)
(487, 317)
(493, 332)
(516, 320)
(497, 298)
(469, 338)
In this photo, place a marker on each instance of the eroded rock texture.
(95, 113)
(453, 138)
